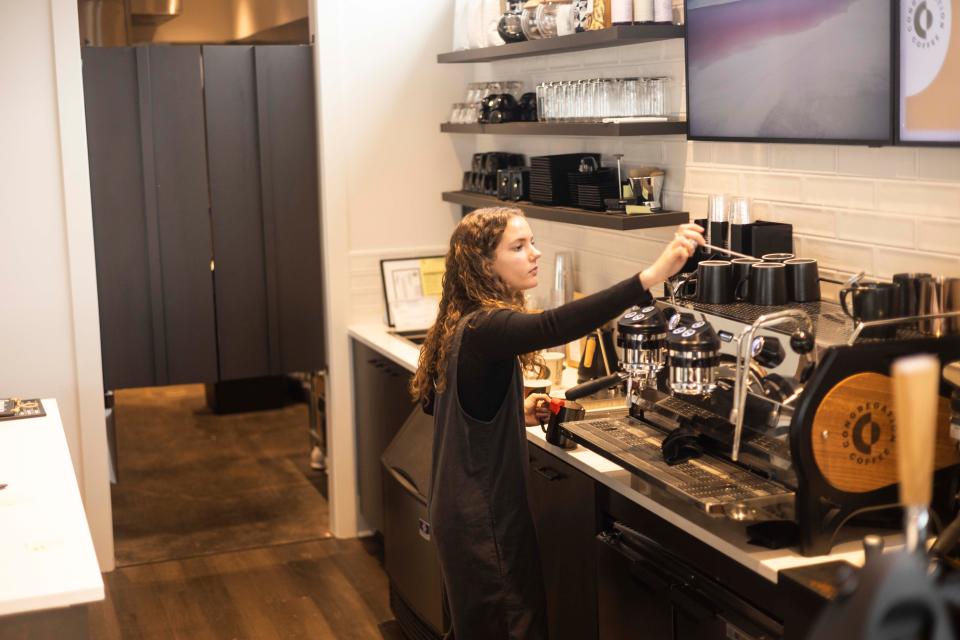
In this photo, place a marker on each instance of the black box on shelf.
(761, 237)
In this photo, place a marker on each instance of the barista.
(469, 377)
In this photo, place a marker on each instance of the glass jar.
(529, 24)
(555, 19)
(509, 27)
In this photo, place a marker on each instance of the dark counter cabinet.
(614, 570)
(563, 503)
(382, 403)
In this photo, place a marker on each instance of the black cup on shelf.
(803, 280)
(741, 276)
(767, 284)
(871, 301)
(714, 282)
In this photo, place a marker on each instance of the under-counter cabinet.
(616, 571)
(646, 591)
(382, 403)
(563, 503)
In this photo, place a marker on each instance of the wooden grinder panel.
(859, 452)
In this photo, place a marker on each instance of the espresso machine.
(779, 419)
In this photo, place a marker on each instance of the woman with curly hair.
(469, 377)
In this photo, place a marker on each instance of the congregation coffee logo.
(869, 433)
(926, 22)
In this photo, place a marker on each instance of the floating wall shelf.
(602, 39)
(618, 221)
(667, 127)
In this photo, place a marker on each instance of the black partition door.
(243, 324)
(127, 322)
(145, 138)
(183, 205)
(263, 187)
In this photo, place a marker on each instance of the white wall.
(384, 163)
(49, 324)
(881, 210)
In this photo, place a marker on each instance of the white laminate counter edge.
(377, 336)
(47, 558)
(766, 563)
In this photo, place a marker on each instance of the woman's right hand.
(676, 254)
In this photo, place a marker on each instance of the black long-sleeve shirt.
(493, 339)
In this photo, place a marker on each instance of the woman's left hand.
(536, 409)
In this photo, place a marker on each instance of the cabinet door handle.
(550, 474)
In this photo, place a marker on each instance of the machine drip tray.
(714, 486)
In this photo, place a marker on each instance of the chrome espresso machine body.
(779, 418)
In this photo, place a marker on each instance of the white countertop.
(377, 336)
(765, 562)
(47, 558)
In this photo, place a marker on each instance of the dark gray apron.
(480, 519)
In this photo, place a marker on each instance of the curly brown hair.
(469, 284)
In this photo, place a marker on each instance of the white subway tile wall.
(881, 210)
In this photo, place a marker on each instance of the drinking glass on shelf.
(541, 98)
(514, 88)
(550, 102)
(739, 210)
(605, 103)
(658, 99)
(629, 97)
(616, 99)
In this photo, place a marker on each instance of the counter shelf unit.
(664, 127)
(570, 215)
(600, 39)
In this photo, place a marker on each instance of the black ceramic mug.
(767, 284)
(803, 280)
(741, 275)
(871, 301)
(714, 282)
(777, 257)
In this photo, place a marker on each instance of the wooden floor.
(221, 531)
(320, 589)
(194, 483)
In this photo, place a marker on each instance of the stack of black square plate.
(549, 177)
(588, 190)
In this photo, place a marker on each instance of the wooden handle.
(916, 382)
(588, 353)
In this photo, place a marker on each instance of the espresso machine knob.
(767, 351)
(802, 341)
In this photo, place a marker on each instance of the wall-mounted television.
(790, 70)
(929, 108)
